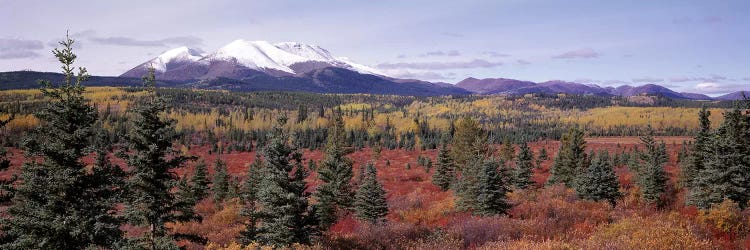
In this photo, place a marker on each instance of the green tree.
(249, 197)
(469, 140)
(59, 203)
(370, 204)
(700, 152)
(152, 201)
(220, 186)
(651, 175)
(6, 185)
(200, 181)
(726, 174)
(524, 165)
(444, 174)
(285, 215)
(507, 151)
(493, 188)
(335, 194)
(599, 182)
(571, 159)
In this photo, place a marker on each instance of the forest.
(112, 167)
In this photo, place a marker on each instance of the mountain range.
(292, 66)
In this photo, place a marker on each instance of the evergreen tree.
(700, 152)
(200, 181)
(727, 167)
(370, 204)
(651, 175)
(285, 216)
(493, 188)
(6, 185)
(444, 174)
(221, 185)
(250, 200)
(59, 204)
(468, 184)
(524, 166)
(469, 140)
(570, 160)
(152, 201)
(507, 152)
(335, 193)
(599, 182)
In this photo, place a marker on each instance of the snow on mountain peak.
(257, 55)
(312, 52)
(181, 54)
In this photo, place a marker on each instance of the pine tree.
(152, 201)
(370, 204)
(444, 174)
(59, 204)
(493, 188)
(651, 177)
(220, 186)
(599, 182)
(468, 184)
(250, 200)
(6, 185)
(200, 181)
(570, 160)
(335, 194)
(284, 214)
(469, 140)
(698, 156)
(507, 152)
(524, 165)
(726, 173)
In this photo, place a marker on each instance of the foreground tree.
(221, 181)
(469, 140)
(444, 174)
(152, 159)
(284, 214)
(571, 159)
(7, 190)
(696, 160)
(200, 181)
(370, 203)
(524, 165)
(599, 182)
(651, 175)
(334, 194)
(493, 188)
(726, 174)
(59, 203)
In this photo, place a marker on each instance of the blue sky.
(697, 46)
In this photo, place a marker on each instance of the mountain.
(512, 86)
(734, 96)
(28, 80)
(492, 85)
(169, 60)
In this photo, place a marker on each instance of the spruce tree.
(468, 184)
(6, 185)
(696, 161)
(524, 165)
(370, 203)
(469, 140)
(200, 181)
(59, 203)
(221, 185)
(285, 216)
(152, 201)
(599, 182)
(507, 151)
(570, 160)
(335, 194)
(727, 168)
(444, 174)
(651, 175)
(249, 197)
(493, 188)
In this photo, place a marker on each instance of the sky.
(688, 45)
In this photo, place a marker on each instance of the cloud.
(615, 82)
(680, 79)
(441, 53)
(401, 56)
(746, 79)
(126, 41)
(494, 54)
(711, 78)
(585, 53)
(476, 63)
(523, 62)
(648, 79)
(718, 88)
(19, 48)
(699, 20)
(452, 34)
(429, 75)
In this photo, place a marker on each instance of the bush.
(655, 232)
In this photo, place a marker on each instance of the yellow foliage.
(654, 232)
(725, 216)
(527, 244)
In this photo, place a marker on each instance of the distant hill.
(28, 80)
(734, 96)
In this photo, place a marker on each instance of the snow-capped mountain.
(170, 59)
(242, 58)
